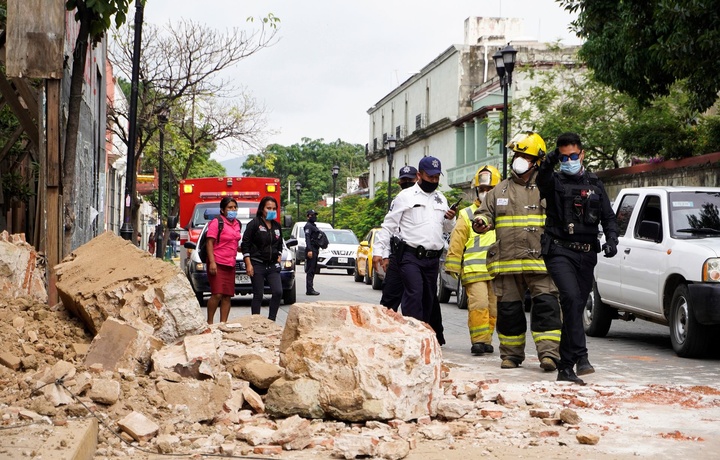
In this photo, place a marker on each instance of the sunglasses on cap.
(572, 156)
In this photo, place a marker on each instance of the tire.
(443, 293)
(597, 316)
(366, 278)
(290, 295)
(461, 294)
(689, 338)
(377, 282)
(358, 276)
(350, 271)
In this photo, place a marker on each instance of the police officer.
(392, 286)
(466, 259)
(420, 214)
(514, 210)
(312, 250)
(576, 203)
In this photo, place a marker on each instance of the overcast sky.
(336, 58)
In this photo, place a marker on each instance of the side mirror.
(650, 230)
(291, 242)
(172, 221)
(364, 244)
(189, 245)
(287, 221)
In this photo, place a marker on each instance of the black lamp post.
(335, 172)
(390, 148)
(162, 119)
(504, 65)
(298, 187)
(126, 231)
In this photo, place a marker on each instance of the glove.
(553, 157)
(610, 248)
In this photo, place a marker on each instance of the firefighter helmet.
(528, 143)
(487, 175)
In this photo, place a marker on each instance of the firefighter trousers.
(545, 319)
(482, 311)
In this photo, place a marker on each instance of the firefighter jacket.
(468, 250)
(516, 212)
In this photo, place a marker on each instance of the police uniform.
(311, 232)
(419, 217)
(576, 204)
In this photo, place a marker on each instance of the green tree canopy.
(642, 47)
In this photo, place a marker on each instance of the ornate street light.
(335, 172)
(298, 187)
(504, 65)
(390, 149)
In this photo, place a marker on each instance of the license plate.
(242, 279)
(342, 260)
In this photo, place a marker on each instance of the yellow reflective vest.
(467, 250)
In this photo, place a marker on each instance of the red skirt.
(224, 281)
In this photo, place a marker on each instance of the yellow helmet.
(486, 175)
(528, 143)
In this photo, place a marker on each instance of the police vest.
(581, 206)
(476, 246)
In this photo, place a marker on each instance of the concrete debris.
(22, 269)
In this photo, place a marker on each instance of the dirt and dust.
(502, 419)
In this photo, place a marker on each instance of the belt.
(575, 246)
(421, 253)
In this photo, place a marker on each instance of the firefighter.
(466, 259)
(517, 214)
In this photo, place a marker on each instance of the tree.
(643, 47)
(95, 18)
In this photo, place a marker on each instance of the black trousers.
(572, 273)
(419, 277)
(392, 291)
(271, 273)
(310, 265)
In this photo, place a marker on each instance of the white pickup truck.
(667, 269)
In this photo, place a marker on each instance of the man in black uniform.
(311, 252)
(576, 203)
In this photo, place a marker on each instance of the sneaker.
(567, 375)
(478, 349)
(584, 367)
(488, 348)
(312, 293)
(508, 364)
(548, 364)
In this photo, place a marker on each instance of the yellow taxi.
(364, 270)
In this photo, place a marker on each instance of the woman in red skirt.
(221, 253)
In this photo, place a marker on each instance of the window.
(650, 212)
(624, 212)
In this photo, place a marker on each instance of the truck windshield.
(205, 212)
(694, 214)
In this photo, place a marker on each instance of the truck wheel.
(443, 293)
(358, 276)
(462, 298)
(689, 338)
(289, 296)
(597, 316)
(367, 273)
(377, 282)
(350, 271)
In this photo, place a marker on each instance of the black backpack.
(203, 245)
(321, 240)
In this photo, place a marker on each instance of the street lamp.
(162, 119)
(390, 148)
(298, 187)
(335, 172)
(126, 231)
(504, 65)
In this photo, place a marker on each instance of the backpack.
(203, 245)
(321, 240)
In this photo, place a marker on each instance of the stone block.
(119, 345)
(138, 426)
(8, 359)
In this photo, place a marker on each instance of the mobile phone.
(454, 207)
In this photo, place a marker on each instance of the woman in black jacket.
(262, 247)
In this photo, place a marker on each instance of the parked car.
(667, 269)
(364, 270)
(341, 251)
(298, 233)
(196, 272)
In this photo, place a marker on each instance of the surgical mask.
(408, 184)
(520, 166)
(570, 167)
(481, 196)
(231, 215)
(312, 219)
(270, 215)
(428, 187)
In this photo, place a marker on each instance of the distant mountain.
(233, 166)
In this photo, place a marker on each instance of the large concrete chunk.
(111, 278)
(22, 271)
(366, 362)
(119, 345)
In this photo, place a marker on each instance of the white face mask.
(520, 166)
(481, 196)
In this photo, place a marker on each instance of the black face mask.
(428, 187)
(404, 185)
(312, 219)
